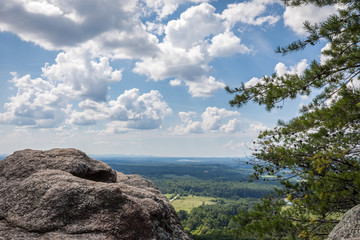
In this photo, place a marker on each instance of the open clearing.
(189, 202)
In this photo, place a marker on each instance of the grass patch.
(189, 202)
(168, 196)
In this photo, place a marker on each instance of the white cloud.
(186, 117)
(251, 12)
(226, 44)
(42, 103)
(280, 69)
(43, 8)
(90, 34)
(253, 82)
(304, 97)
(298, 69)
(182, 33)
(205, 87)
(85, 76)
(186, 51)
(294, 17)
(145, 108)
(92, 111)
(189, 66)
(115, 127)
(155, 28)
(131, 44)
(37, 103)
(59, 24)
(175, 82)
(233, 126)
(84, 118)
(173, 62)
(163, 8)
(323, 57)
(130, 111)
(190, 125)
(213, 116)
(212, 120)
(258, 127)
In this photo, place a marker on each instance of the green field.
(168, 196)
(189, 202)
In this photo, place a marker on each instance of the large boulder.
(349, 226)
(64, 194)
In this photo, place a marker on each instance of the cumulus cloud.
(233, 126)
(37, 103)
(213, 116)
(183, 54)
(129, 111)
(280, 69)
(189, 66)
(189, 124)
(89, 35)
(43, 8)
(294, 17)
(131, 44)
(186, 52)
(155, 28)
(212, 120)
(163, 8)
(226, 44)
(173, 62)
(175, 82)
(253, 82)
(205, 87)
(250, 12)
(324, 57)
(85, 76)
(182, 33)
(42, 103)
(59, 24)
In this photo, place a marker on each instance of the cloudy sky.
(143, 77)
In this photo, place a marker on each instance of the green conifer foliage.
(315, 155)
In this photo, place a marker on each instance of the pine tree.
(316, 155)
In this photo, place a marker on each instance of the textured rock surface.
(349, 226)
(64, 194)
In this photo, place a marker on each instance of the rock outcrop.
(64, 194)
(349, 226)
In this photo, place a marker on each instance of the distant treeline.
(218, 172)
(211, 188)
(211, 180)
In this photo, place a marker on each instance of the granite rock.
(349, 226)
(64, 194)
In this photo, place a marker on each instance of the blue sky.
(143, 77)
